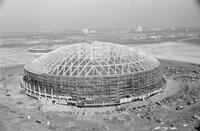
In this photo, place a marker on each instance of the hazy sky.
(49, 15)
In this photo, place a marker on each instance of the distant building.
(40, 49)
(128, 29)
(172, 29)
(139, 28)
(85, 30)
(93, 31)
(186, 29)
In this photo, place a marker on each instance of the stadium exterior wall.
(94, 91)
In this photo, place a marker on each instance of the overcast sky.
(50, 15)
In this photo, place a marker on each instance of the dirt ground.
(16, 109)
(18, 112)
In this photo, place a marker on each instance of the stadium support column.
(39, 90)
(25, 84)
(120, 89)
(34, 89)
(29, 88)
(45, 91)
(102, 96)
(51, 93)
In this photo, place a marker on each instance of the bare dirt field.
(170, 50)
(18, 112)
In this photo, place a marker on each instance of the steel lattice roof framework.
(93, 59)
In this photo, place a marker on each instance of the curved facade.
(93, 74)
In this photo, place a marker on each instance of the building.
(85, 30)
(93, 74)
(139, 28)
(40, 49)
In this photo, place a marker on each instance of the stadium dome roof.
(92, 59)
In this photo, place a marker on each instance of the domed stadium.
(93, 74)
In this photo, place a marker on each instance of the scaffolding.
(97, 74)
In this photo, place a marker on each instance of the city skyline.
(51, 15)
